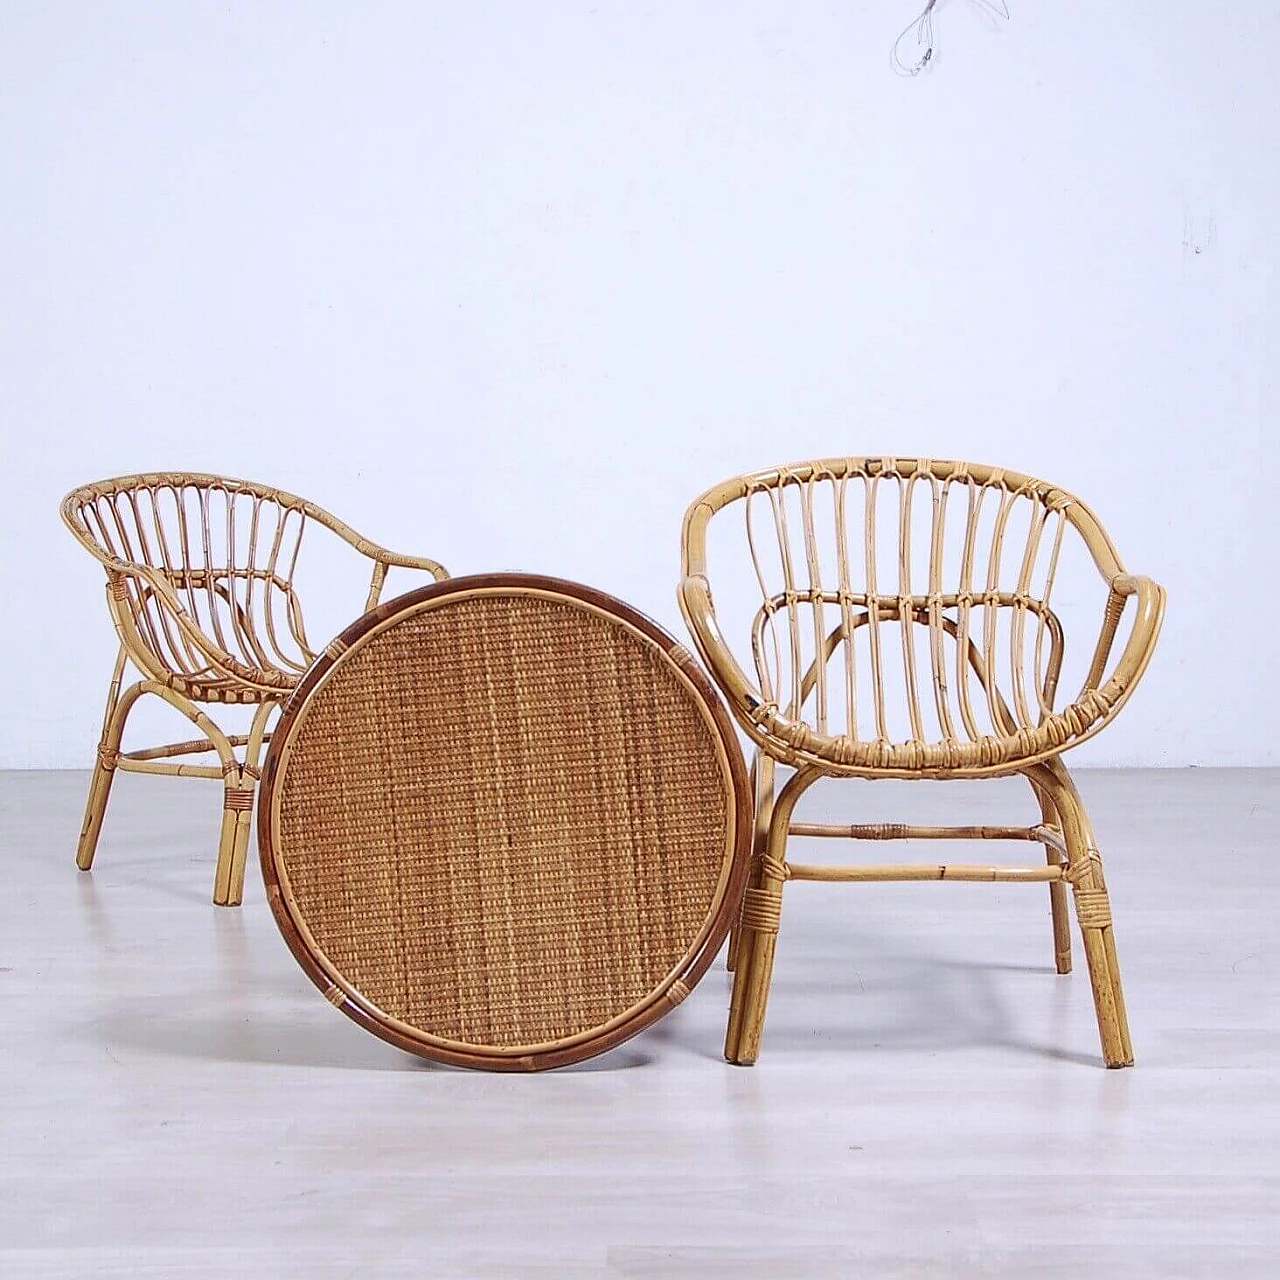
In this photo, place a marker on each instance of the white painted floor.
(177, 1100)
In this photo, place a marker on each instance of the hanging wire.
(922, 29)
(996, 8)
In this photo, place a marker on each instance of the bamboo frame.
(200, 590)
(989, 686)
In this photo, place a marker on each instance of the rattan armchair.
(905, 630)
(200, 585)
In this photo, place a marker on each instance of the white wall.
(510, 282)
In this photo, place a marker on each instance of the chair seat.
(797, 743)
(232, 692)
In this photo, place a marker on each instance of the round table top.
(504, 822)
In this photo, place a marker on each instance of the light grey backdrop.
(508, 283)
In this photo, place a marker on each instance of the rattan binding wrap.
(507, 821)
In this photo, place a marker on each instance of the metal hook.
(923, 28)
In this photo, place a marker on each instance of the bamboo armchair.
(905, 630)
(200, 586)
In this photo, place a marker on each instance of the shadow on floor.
(296, 1039)
(911, 1003)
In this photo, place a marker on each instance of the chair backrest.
(901, 600)
(228, 549)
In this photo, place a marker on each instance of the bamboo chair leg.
(104, 769)
(1093, 913)
(237, 816)
(1057, 891)
(761, 915)
(735, 942)
(94, 811)
(743, 943)
(234, 803)
(735, 928)
(233, 845)
(763, 769)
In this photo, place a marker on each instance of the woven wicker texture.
(505, 819)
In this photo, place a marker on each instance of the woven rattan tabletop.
(504, 822)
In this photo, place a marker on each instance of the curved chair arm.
(384, 560)
(395, 560)
(694, 594)
(226, 664)
(1123, 677)
(219, 660)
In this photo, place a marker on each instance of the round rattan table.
(504, 822)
